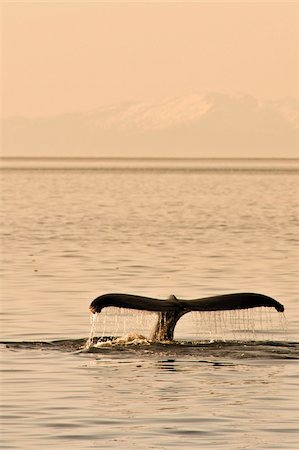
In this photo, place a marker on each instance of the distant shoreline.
(152, 164)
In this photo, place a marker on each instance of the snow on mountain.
(150, 115)
(195, 125)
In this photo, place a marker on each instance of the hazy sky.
(74, 56)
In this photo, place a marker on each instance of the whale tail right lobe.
(243, 300)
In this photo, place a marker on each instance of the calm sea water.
(75, 229)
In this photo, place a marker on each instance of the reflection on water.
(126, 400)
(71, 235)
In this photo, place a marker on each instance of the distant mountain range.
(213, 125)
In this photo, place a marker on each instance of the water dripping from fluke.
(231, 326)
(90, 339)
(222, 317)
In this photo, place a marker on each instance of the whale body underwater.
(172, 309)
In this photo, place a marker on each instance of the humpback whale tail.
(171, 310)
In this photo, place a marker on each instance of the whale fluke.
(171, 310)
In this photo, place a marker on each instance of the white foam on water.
(127, 339)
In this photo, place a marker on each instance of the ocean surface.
(73, 229)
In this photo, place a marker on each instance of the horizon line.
(148, 158)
